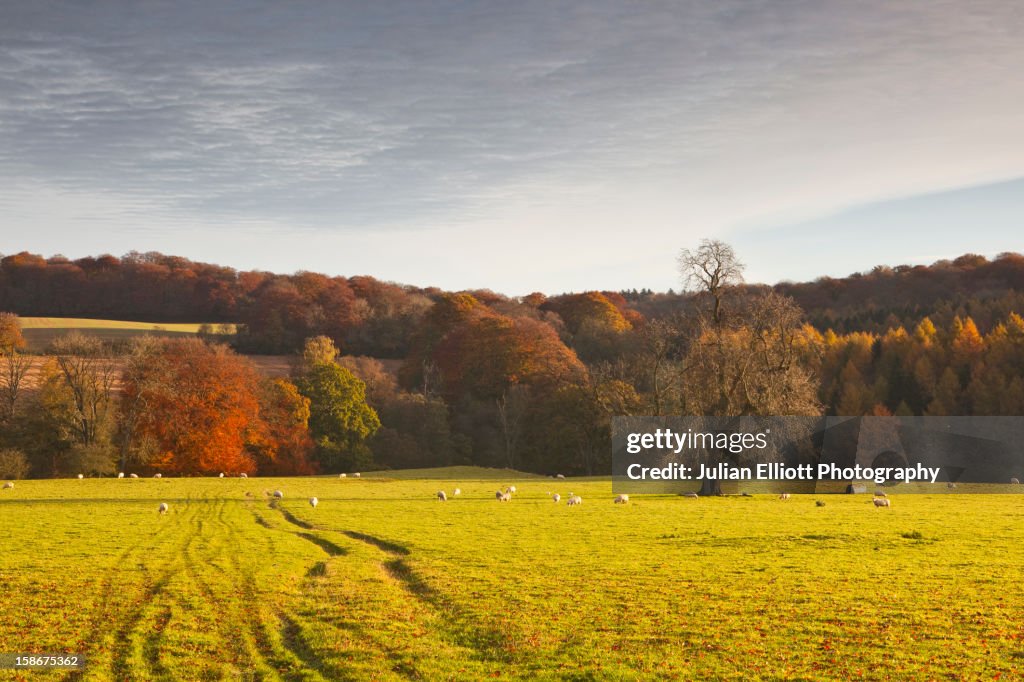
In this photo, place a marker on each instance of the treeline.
(532, 383)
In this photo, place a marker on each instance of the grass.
(39, 332)
(382, 581)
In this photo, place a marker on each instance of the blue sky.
(517, 146)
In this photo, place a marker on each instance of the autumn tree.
(340, 419)
(200, 407)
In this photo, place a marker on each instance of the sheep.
(243, 475)
(221, 475)
(1015, 481)
(164, 508)
(8, 485)
(574, 500)
(457, 491)
(559, 476)
(784, 496)
(510, 489)
(278, 494)
(313, 502)
(120, 474)
(133, 475)
(879, 493)
(80, 476)
(356, 475)
(441, 496)
(951, 486)
(503, 497)
(158, 475)
(556, 497)
(622, 499)
(881, 502)
(342, 475)
(690, 495)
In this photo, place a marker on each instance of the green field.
(383, 581)
(39, 332)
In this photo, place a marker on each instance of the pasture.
(39, 332)
(384, 581)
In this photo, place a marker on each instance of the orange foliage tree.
(201, 408)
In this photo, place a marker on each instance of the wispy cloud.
(533, 124)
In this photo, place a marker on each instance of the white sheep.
(574, 500)
(556, 497)
(441, 496)
(133, 475)
(881, 502)
(342, 475)
(503, 497)
(221, 475)
(559, 476)
(622, 499)
(313, 502)
(81, 476)
(1015, 481)
(784, 496)
(243, 475)
(164, 508)
(511, 489)
(8, 485)
(457, 491)
(879, 493)
(158, 475)
(691, 496)
(278, 494)
(120, 474)
(356, 475)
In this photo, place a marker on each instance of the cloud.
(674, 120)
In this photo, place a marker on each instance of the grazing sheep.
(622, 499)
(574, 500)
(1015, 481)
(510, 489)
(503, 497)
(784, 496)
(690, 495)
(278, 494)
(879, 493)
(158, 475)
(951, 486)
(457, 491)
(81, 476)
(313, 502)
(243, 475)
(559, 476)
(356, 475)
(556, 497)
(881, 502)
(342, 475)
(120, 474)
(441, 496)
(133, 475)
(8, 485)
(221, 475)
(164, 508)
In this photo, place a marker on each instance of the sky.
(517, 146)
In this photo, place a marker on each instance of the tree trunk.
(710, 486)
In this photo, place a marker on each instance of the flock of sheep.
(879, 499)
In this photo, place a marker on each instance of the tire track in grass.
(233, 634)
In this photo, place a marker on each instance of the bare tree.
(12, 377)
(511, 407)
(90, 375)
(711, 269)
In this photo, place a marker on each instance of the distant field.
(39, 332)
(382, 581)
